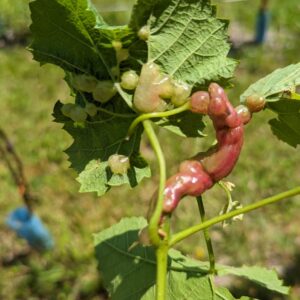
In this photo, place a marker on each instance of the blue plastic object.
(262, 23)
(29, 227)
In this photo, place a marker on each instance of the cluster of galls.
(154, 91)
(200, 173)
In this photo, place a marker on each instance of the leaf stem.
(161, 245)
(161, 271)
(207, 238)
(155, 218)
(186, 233)
(153, 115)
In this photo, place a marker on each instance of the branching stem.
(161, 245)
(154, 115)
(155, 218)
(188, 232)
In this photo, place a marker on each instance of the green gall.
(129, 80)
(104, 91)
(181, 93)
(78, 114)
(144, 33)
(119, 164)
(117, 45)
(91, 109)
(166, 87)
(84, 82)
(67, 108)
(146, 98)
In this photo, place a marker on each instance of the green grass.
(267, 237)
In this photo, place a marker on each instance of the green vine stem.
(153, 115)
(207, 238)
(161, 245)
(155, 218)
(188, 232)
(161, 271)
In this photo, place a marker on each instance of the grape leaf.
(130, 274)
(224, 294)
(141, 12)
(187, 40)
(186, 124)
(97, 177)
(259, 275)
(72, 35)
(275, 84)
(94, 143)
(287, 125)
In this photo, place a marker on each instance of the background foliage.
(69, 272)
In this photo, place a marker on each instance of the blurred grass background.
(28, 92)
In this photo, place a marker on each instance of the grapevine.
(165, 69)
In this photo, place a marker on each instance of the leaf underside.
(72, 35)
(187, 40)
(275, 84)
(278, 88)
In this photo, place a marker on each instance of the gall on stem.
(199, 174)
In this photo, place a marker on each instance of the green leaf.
(274, 85)
(186, 124)
(223, 294)
(259, 275)
(189, 42)
(275, 88)
(94, 143)
(141, 12)
(287, 125)
(72, 35)
(131, 274)
(97, 177)
(115, 33)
